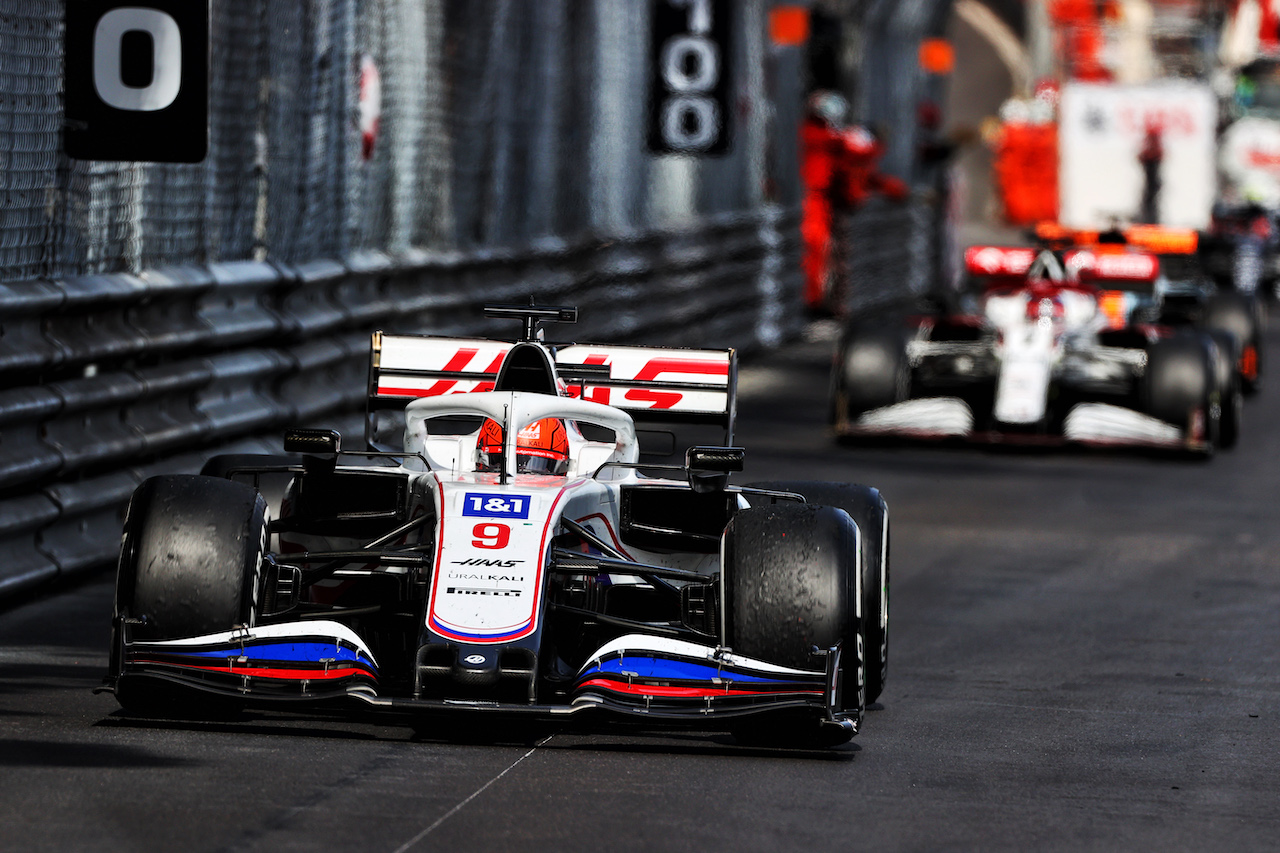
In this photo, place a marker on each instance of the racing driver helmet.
(541, 448)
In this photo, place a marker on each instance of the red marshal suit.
(838, 167)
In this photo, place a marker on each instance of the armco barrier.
(23, 347)
(169, 316)
(25, 564)
(91, 323)
(874, 260)
(238, 308)
(108, 379)
(25, 458)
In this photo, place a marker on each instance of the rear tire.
(790, 569)
(1240, 316)
(866, 506)
(190, 560)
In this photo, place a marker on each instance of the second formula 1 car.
(1042, 351)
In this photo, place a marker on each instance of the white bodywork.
(1033, 332)
(494, 535)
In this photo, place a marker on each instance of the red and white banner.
(1250, 160)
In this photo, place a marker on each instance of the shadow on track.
(43, 753)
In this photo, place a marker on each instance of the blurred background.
(686, 172)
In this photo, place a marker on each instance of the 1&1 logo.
(137, 80)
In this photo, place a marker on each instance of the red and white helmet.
(541, 448)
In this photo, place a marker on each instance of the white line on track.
(478, 791)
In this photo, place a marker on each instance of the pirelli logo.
(501, 593)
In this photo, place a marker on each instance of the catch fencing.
(889, 253)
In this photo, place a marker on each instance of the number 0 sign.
(137, 80)
(689, 85)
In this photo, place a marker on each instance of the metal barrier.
(112, 378)
(888, 252)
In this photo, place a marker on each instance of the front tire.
(190, 561)
(871, 371)
(1227, 380)
(1240, 316)
(867, 507)
(1178, 388)
(791, 584)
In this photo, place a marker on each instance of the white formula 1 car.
(1047, 352)
(546, 545)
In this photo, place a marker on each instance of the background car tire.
(1239, 315)
(788, 579)
(866, 506)
(1179, 382)
(871, 371)
(190, 558)
(1230, 394)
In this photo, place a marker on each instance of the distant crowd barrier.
(108, 379)
(890, 253)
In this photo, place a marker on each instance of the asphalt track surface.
(1084, 656)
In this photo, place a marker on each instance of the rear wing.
(1135, 271)
(677, 397)
(406, 367)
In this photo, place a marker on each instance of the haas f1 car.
(1047, 352)
(544, 546)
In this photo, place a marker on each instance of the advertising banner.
(1137, 154)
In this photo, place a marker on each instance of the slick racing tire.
(1240, 316)
(1178, 387)
(788, 569)
(1230, 393)
(273, 486)
(190, 561)
(870, 372)
(866, 506)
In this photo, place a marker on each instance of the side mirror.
(318, 442)
(709, 467)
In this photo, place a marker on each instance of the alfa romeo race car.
(1044, 351)
(544, 545)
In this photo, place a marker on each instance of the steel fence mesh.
(503, 123)
(30, 118)
(287, 104)
(325, 193)
(231, 186)
(111, 232)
